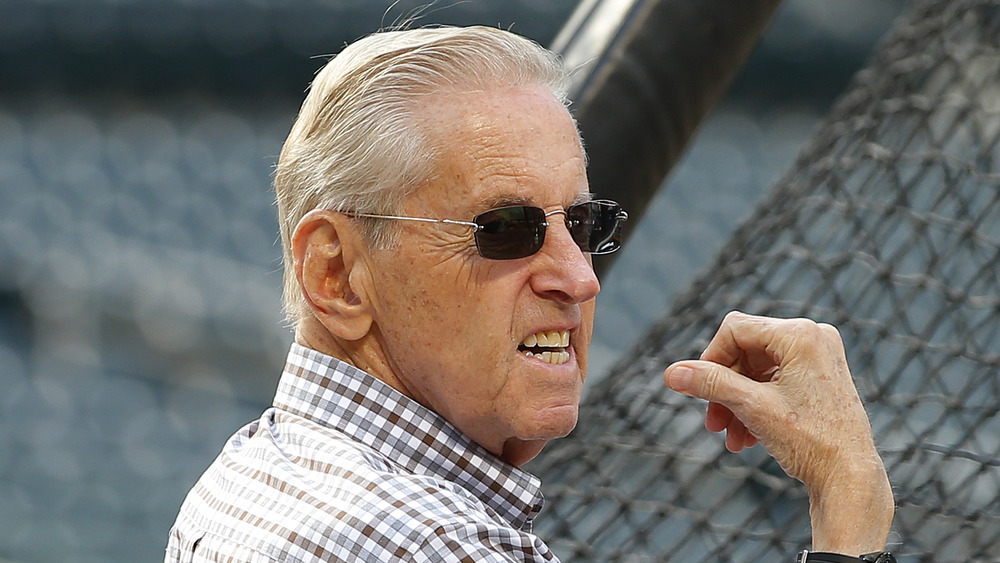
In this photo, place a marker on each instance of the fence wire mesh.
(887, 226)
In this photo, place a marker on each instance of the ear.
(327, 248)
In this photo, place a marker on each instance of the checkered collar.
(336, 394)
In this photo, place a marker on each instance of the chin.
(536, 429)
(554, 422)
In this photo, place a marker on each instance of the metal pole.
(645, 75)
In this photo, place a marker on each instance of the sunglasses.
(518, 231)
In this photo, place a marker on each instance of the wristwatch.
(824, 557)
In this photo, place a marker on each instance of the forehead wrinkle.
(498, 164)
(519, 180)
(499, 148)
(496, 150)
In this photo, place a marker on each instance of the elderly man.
(437, 230)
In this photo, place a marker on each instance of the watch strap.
(826, 557)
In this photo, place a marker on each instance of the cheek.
(443, 325)
(586, 328)
(587, 311)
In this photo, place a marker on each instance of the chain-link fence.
(888, 226)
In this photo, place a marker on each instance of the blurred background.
(140, 320)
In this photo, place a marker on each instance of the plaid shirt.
(345, 468)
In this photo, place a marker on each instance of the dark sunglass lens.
(596, 226)
(508, 233)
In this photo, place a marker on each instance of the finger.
(738, 335)
(718, 417)
(710, 381)
(736, 436)
(736, 403)
(755, 346)
(739, 437)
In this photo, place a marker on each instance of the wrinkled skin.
(441, 323)
(786, 383)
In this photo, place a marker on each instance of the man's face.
(452, 325)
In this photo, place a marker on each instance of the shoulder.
(291, 490)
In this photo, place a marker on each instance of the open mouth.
(549, 346)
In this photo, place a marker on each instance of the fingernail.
(679, 378)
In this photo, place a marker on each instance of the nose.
(564, 273)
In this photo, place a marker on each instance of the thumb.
(710, 381)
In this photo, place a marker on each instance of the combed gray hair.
(357, 143)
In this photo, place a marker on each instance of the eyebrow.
(506, 200)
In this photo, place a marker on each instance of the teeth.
(551, 357)
(555, 339)
(550, 339)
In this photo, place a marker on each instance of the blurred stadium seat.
(139, 273)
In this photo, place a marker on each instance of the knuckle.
(713, 386)
(732, 317)
(710, 383)
(832, 338)
(829, 331)
(810, 329)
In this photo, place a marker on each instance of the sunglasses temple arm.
(473, 226)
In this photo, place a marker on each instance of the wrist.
(853, 512)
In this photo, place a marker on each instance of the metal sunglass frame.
(620, 217)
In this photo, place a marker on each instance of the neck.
(365, 353)
(517, 452)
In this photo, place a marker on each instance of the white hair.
(357, 143)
